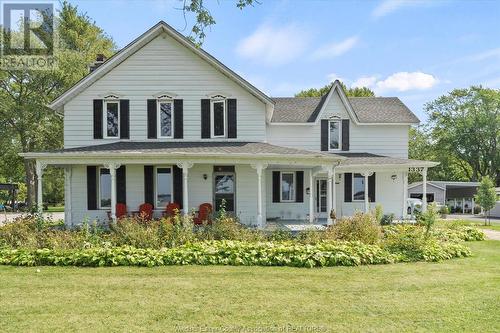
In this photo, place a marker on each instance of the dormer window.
(111, 119)
(334, 134)
(165, 118)
(218, 117)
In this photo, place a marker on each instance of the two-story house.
(164, 121)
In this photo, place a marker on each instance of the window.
(165, 119)
(358, 187)
(287, 186)
(218, 118)
(163, 186)
(334, 134)
(104, 188)
(112, 119)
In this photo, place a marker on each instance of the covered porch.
(189, 173)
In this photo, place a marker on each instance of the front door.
(224, 191)
(321, 191)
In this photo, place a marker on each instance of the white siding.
(438, 193)
(162, 65)
(387, 140)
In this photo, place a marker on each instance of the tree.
(351, 92)
(465, 125)
(486, 196)
(26, 123)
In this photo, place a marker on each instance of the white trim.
(292, 190)
(339, 121)
(217, 95)
(156, 184)
(158, 118)
(352, 187)
(99, 188)
(212, 118)
(165, 95)
(337, 87)
(428, 184)
(105, 118)
(131, 48)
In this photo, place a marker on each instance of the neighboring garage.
(458, 196)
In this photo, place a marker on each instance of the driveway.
(7, 217)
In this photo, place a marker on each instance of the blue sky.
(415, 50)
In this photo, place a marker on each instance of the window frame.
(353, 192)
(158, 118)
(105, 118)
(293, 188)
(156, 184)
(99, 188)
(339, 121)
(212, 118)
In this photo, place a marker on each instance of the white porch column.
(424, 189)
(185, 166)
(259, 168)
(334, 192)
(112, 172)
(311, 196)
(405, 195)
(367, 202)
(473, 205)
(39, 176)
(67, 195)
(329, 192)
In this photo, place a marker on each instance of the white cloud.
(367, 81)
(335, 49)
(387, 7)
(401, 81)
(274, 45)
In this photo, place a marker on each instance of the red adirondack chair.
(146, 211)
(172, 209)
(121, 210)
(203, 213)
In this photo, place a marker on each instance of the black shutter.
(347, 187)
(345, 134)
(205, 119)
(299, 178)
(231, 119)
(178, 119)
(276, 186)
(149, 188)
(177, 181)
(324, 135)
(152, 130)
(121, 185)
(97, 118)
(124, 119)
(371, 188)
(91, 187)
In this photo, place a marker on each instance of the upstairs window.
(165, 118)
(334, 134)
(287, 186)
(111, 119)
(218, 118)
(358, 187)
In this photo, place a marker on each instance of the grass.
(495, 224)
(456, 295)
(54, 209)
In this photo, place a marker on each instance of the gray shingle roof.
(357, 159)
(388, 110)
(189, 147)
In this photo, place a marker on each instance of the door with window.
(321, 197)
(224, 191)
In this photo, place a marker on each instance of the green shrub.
(444, 211)
(459, 233)
(360, 227)
(378, 213)
(387, 219)
(279, 235)
(227, 227)
(310, 236)
(429, 217)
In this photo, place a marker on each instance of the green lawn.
(54, 209)
(495, 224)
(456, 295)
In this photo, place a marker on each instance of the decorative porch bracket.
(185, 166)
(112, 171)
(259, 167)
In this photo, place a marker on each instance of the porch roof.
(373, 161)
(186, 149)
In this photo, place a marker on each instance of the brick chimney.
(99, 60)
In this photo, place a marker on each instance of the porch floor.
(296, 225)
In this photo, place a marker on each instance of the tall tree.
(351, 92)
(25, 120)
(465, 125)
(486, 196)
